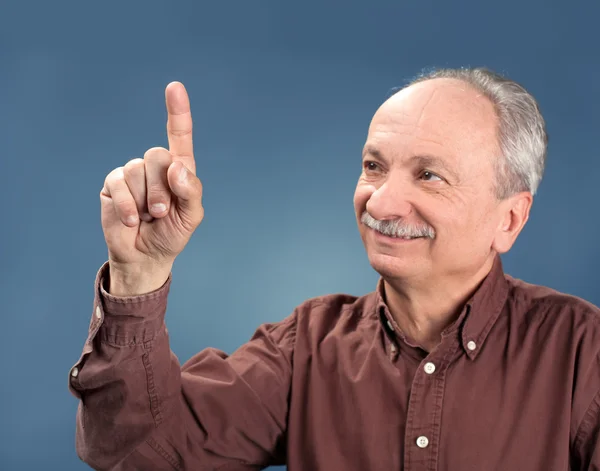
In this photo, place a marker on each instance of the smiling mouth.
(381, 234)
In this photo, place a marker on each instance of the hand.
(151, 207)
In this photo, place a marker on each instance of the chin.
(390, 267)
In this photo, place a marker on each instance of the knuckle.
(180, 132)
(114, 176)
(155, 189)
(199, 216)
(133, 164)
(198, 189)
(157, 194)
(126, 207)
(157, 154)
(134, 167)
(115, 173)
(194, 219)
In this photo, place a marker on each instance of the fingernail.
(146, 217)
(132, 219)
(158, 208)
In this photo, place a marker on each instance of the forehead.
(445, 117)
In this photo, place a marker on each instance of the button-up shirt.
(513, 385)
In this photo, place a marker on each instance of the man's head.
(453, 159)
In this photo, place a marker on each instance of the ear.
(515, 212)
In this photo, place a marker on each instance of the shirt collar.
(477, 318)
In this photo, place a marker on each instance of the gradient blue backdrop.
(282, 94)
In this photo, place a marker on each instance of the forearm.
(123, 400)
(140, 409)
(125, 362)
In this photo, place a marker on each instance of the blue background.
(282, 94)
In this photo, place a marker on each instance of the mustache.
(397, 227)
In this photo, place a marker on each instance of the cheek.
(474, 229)
(453, 225)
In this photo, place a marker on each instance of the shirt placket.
(423, 421)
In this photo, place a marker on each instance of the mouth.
(399, 237)
(393, 238)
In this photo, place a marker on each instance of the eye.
(430, 176)
(370, 166)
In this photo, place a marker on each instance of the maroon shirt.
(514, 385)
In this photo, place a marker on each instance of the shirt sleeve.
(585, 411)
(586, 455)
(140, 409)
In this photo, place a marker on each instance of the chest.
(367, 408)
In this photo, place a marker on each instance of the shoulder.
(561, 325)
(323, 314)
(567, 329)
(316, 317)
(541, 302)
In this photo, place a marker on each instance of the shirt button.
(422, 441)
(75, 372)
(471, 345)
(98, 313)
(429, 368)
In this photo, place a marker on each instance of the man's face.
(428, 164)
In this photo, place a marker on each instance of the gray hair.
(522, 136)
(397, 227)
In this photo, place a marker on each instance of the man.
(448, 365)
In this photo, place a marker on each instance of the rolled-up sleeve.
(140, 409)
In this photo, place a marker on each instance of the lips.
(398, 237)
(404, 238)
(392, 238)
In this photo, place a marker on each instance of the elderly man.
(449, 364)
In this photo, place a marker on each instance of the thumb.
(188, 189)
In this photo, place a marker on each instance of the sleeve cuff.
(129, 319)
(121, 321)
(119, 305)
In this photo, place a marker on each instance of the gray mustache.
(397, 227)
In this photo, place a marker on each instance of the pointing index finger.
(179, 125)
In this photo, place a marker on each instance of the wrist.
(136, 280)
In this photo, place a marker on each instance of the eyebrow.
(422, 160)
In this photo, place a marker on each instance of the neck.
(423, 310)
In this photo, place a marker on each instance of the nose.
(390, 201)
